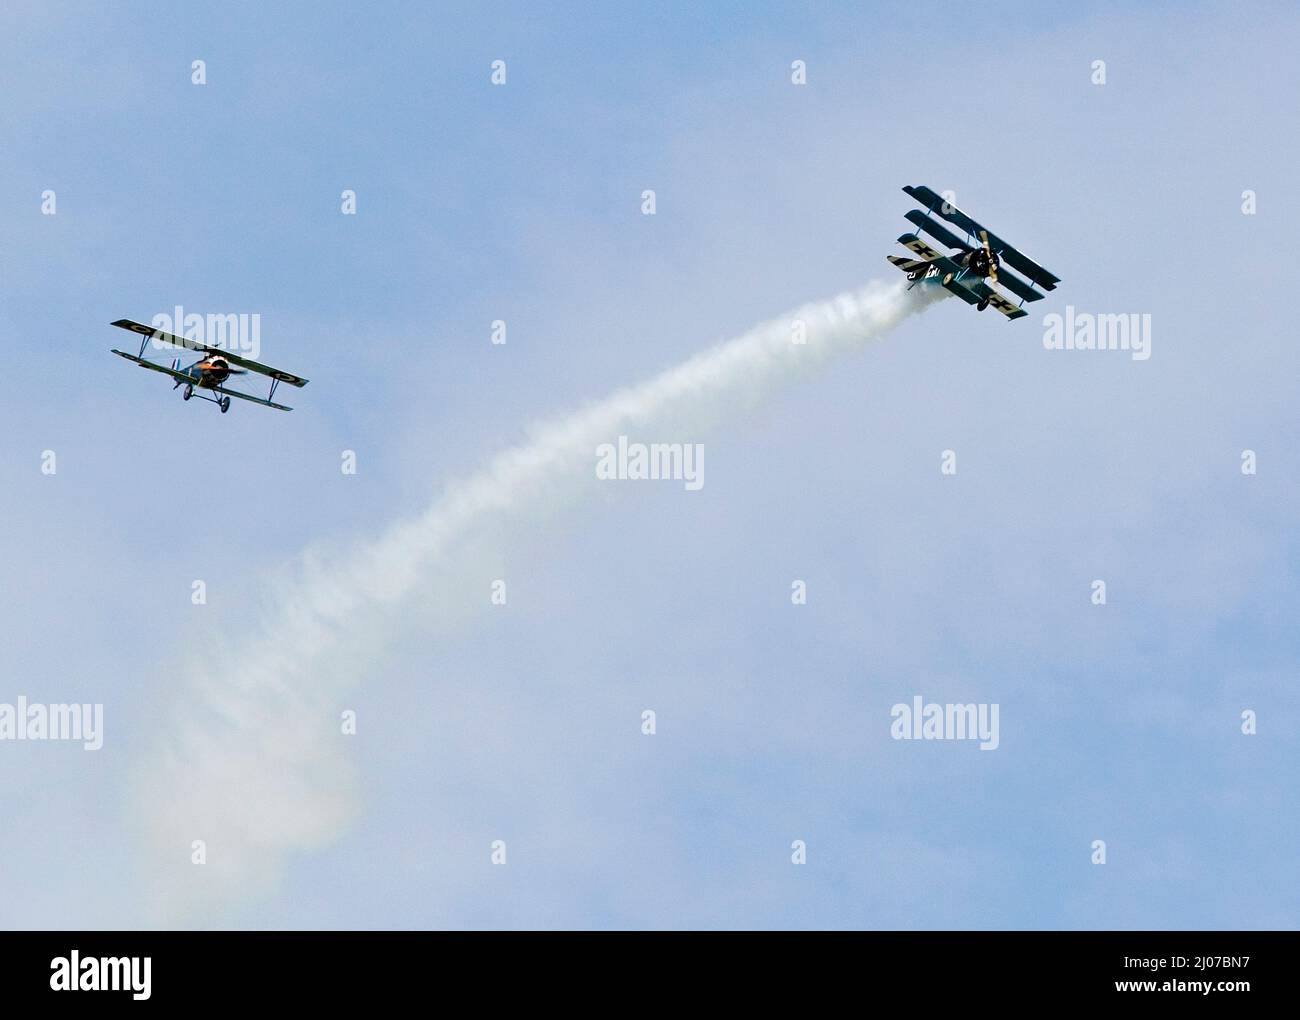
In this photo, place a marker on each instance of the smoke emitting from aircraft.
(254, 767)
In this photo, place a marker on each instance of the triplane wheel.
(984, 303)
(187, 392)
(224, 404)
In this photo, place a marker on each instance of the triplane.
(209, 372)
(975, 268)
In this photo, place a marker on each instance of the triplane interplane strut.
(209, 372)
(978, 264)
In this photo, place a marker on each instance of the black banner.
(978, 969)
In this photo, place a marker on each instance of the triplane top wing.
(1013, 257)
(193, 345)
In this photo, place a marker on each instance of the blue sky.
(522, 203)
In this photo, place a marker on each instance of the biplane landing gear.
(947, 279)
(187, 392)
(984, 303)
(224, 404)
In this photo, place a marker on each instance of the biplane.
(978, 265)
(210, 372)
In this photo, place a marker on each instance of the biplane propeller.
(208, 373)
(975, 270)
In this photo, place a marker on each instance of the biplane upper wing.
(157, 368)
(193, 345)
(254, 366)
(1007, 253)
(159, 335)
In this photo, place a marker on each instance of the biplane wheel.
(224, 404)
(187, 392)
(947, 279)
(984, 303)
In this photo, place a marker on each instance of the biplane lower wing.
(255, 400)
(156, 368)
(182, 377)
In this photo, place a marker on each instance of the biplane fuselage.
(209, 373)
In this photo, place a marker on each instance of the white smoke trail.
(254, 764)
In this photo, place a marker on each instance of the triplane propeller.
(208, 373)
(974, 271)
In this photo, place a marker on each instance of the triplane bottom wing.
(982, 290)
